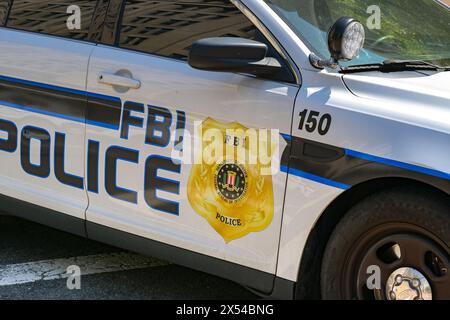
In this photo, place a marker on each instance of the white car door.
(146, 91)
(43, 68)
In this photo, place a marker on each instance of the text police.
(158, 133)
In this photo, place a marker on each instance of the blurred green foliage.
(411, 28)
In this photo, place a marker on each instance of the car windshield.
(395, 29)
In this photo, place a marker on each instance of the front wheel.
(394, 245)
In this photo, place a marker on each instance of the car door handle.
(117, 80)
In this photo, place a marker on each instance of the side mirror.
(229, 54)
(345, 41)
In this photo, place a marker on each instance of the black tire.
(414, 222)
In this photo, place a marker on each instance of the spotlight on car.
(345, 41)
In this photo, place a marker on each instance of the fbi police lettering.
(230, 182)
(157, 133)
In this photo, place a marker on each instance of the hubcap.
(408, 284)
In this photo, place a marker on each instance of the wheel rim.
(399, 250)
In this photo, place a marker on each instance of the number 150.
(313, 120)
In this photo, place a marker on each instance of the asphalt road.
(32, 255)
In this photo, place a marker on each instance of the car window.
(400, 35)
(66, 18)
(168, 28)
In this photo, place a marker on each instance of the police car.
(120, 121)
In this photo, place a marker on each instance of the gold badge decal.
(225, 186)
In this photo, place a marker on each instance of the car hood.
(423, 96)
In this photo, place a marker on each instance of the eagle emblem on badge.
(230, 192)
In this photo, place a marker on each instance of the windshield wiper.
(395, 66)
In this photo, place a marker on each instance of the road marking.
(20, 273)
